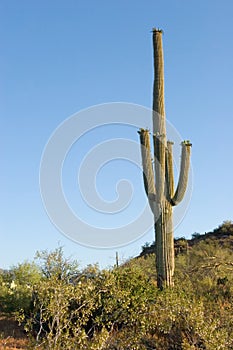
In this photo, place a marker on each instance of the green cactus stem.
(148, 173)
(158, 175)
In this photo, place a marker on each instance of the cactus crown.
(157, 30)
(186, 142)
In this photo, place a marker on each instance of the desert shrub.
(121, 308)
(63, 304)
(88, 308)
(203, 266)
(225, 227)
(177, 320)
(196, 235)
(180, 320)
(16, 287)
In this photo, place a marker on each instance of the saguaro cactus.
(158, 173)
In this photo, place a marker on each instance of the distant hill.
(222, 236)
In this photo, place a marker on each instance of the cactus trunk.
(164, 247)
(159, 178)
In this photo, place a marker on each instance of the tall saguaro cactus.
(158, 173)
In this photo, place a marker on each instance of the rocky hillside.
(222, 236)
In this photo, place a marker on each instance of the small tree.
(16, 287)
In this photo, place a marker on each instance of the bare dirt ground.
(12, 336)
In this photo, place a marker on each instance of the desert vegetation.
(60, 306)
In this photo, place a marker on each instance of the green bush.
(16, 287)
(121, 308)
(88, 308)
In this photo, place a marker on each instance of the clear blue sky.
(58, 57)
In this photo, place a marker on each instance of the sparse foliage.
(122, 308)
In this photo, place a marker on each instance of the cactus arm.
(169, 171)
(184, 170)
(159, 159)
(148, 174)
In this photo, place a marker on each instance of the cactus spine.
(158, 175)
